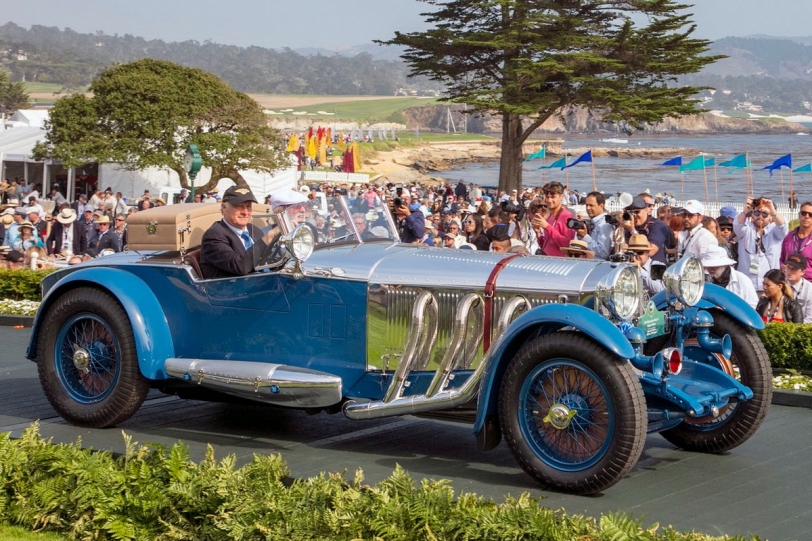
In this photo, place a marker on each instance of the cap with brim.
(89, 208)
(8, 212)
(66, 216)
(21, 211)
(285, 198)
(797, 261)
(716, 256)
(450, 236)
(692, 206)
(13, 202)
(638, 203)
(238, 194)
(578, 247)
(304, 189)
(724, 221)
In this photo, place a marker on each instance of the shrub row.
(151, 492)
(22, 284)
(788, 345)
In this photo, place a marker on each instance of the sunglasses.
(689, 215)
(725, 228)
(805, 214)
(119, 219)
(576, 254)
(760, 213)
(650, 205)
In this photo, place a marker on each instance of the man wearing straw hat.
(640, 245)
(67, 234)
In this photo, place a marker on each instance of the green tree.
(12, 95)
(146, 113)
(527, 60)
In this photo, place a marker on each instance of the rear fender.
(153, 341)
(716, 297)
(542, 320)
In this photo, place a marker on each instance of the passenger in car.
(227, 246)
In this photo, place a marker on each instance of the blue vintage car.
(566, 359)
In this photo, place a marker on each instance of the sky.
(333, 24)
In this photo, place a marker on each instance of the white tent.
(17, 144)
(34, 118)
(167, 183)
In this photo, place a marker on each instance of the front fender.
(153, 341)
(721, 299)
(545, 319)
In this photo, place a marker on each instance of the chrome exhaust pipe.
(469, 305)
(263, 382)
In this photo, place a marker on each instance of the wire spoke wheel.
(572, 413)
(87, 359)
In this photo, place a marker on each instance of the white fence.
(712, 209)
(330, 176)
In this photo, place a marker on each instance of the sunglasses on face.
(805, 214)
(469, 223)
(760, 213)
(576, 254)
(725, 228)
(689, 215)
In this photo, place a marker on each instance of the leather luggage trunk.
(157, 229)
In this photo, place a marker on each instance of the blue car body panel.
(715, 297)
(544, 319)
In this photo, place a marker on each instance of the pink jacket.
(557, 235)
(792, 244)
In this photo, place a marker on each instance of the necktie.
(246, 239)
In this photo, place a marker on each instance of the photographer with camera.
(637, 218)
(552, 230)
(410, 221)
(597, 231)
(760, 238)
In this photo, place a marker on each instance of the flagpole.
(705, 175)
(748, 176)
(715, 183)
(594, 182)
(567, 178)
(781, 172)
(790, 183)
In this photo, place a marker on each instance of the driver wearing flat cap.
(228, 245)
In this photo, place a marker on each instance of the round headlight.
(302, 242)
(685, 281)
(620, 292)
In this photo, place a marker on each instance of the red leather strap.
(490, 292)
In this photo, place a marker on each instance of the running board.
(263, 382)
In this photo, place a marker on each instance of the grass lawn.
(42, 88)
(13, 533)
(365, 110)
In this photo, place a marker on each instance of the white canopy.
(17, 144)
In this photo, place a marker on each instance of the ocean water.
(636, 174)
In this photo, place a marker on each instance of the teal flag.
(710, 162)
(559, 163)
(697, 164)
(739, 162)
(804, 169)
(537, 155)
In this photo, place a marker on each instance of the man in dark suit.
(79, 205)
(67, 228)
(227, 248)
(104, 239)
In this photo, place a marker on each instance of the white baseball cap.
(692, 206)
(716, 256)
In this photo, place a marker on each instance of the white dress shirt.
(803, 296)
(698, 241)
(600, 240)
(753, 262)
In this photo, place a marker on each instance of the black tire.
(87, 361)
(567, 372)
(737, 421)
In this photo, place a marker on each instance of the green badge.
(652, 322)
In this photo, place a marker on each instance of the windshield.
(331, 219)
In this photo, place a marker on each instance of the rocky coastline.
(426, 162)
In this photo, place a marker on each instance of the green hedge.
(151, 492)
(788, 345)
(22, 284)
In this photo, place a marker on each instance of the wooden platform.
(763, 487)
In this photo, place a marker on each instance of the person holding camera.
(760, 238)
(597, 232)
(552, 230)
(411, 222)
(637, 218)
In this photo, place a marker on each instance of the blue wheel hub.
(87, 358)
(566, 415)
